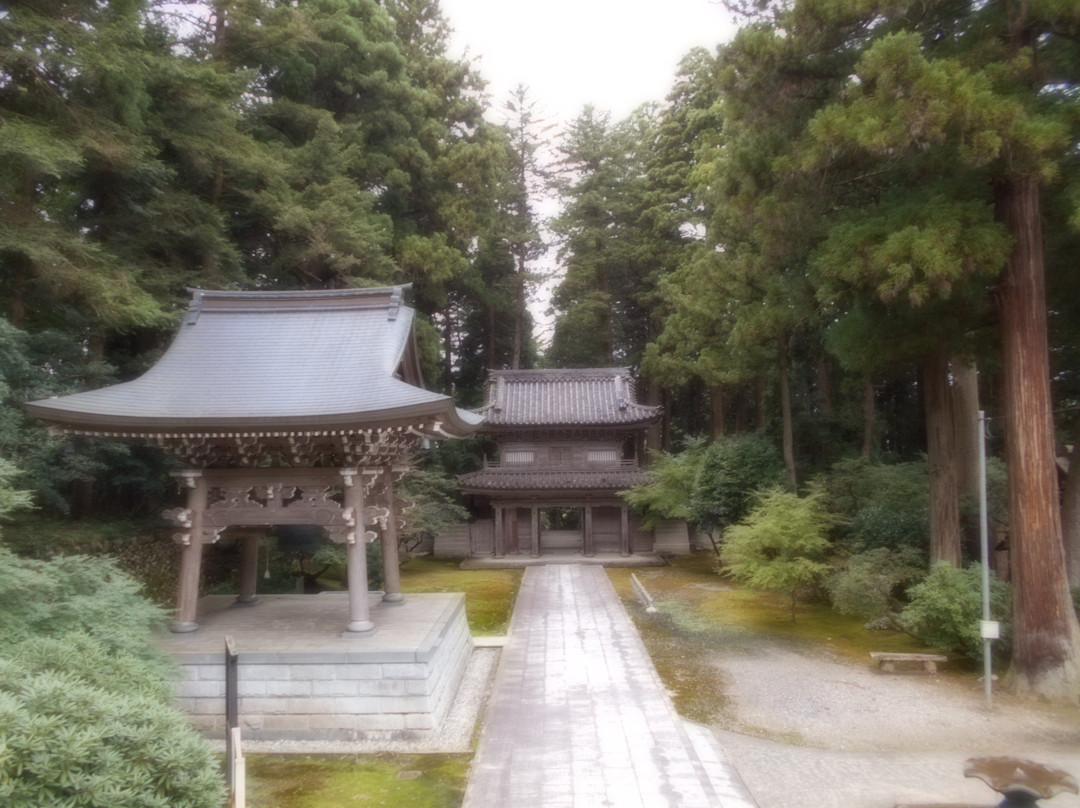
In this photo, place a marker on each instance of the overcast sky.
(614, 54)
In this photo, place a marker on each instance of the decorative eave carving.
(331, 448)
(284, 496)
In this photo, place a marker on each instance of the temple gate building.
(568, 442)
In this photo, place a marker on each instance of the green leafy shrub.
(884, 505)
(82, 595)
(945, 610)
(86, 715)
(668, 493)
(781, 544)
(870, 584)
(11, 498)
(731, 472)
(83, 725)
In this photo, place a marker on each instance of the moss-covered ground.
(369, 781)
(489, 594)
(702, 614)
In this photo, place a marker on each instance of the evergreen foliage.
(731, 474)
(945, 610)
(885, 505)
(871, 584)
(86, 715)
(670, 489)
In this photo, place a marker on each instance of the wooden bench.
(887, 662)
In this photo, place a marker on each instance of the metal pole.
(984, 546)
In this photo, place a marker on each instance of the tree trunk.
(824, 386)
(941, 456)
(519, 313)
(868, 408)
(1046, 634)
(654, 435)
(966, 422)
(716, 410)
(789, 432)
(759, 403)
(1070, 512)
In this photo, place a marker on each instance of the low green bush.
(870, 584)
(945, 609)
(86, 714)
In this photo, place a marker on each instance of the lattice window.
(518, 457)
(602, 456)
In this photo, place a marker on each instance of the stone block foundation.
(299, 678)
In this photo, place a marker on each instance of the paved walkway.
(579, 718)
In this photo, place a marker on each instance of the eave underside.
(330, 448)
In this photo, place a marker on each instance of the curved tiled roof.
(570, 397)
(274, 360)
(504, 479)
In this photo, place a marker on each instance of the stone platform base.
(299, 678)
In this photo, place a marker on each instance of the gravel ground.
(783, 693)
(807, 730)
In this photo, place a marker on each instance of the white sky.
(614, 54)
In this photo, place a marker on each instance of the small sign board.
(990, 629)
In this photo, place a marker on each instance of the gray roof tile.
(273, 360)
(555, 480)
(571, 397)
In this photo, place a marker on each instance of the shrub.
(11, 499)
(668, 493)
(731, 472)
(81, 725)
(870, 583)
(86, 715)
(946, 608)
(884, 505)
(780, 545)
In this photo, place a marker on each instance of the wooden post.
(624, 531)
(356, 556)
(499, 546)
(391, 562)
(187, 597)
(232, 708)
(534, 531)
(590, 549)
(249, 567)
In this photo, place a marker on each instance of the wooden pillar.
(590, 548)
(499, 544)
(534, 531)
(249, 566)
(356, 558)
(391, 562)
(187, 596)
(624, 531)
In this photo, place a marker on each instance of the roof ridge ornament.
(396, 298)
(194, 308)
